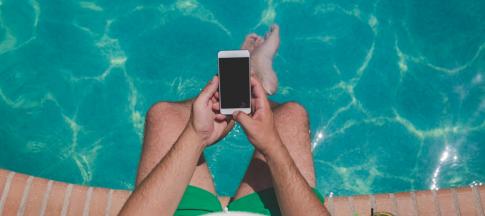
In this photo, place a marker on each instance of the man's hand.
(260, 127)
(205, 119)
(294, 194)
(161, 191)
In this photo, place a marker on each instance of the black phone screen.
(234, 82)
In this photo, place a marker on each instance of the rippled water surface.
(395, 90)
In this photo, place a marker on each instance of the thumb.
(242, 118)
(209, 90)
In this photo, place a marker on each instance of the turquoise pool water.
(395, 90)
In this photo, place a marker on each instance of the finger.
(209, 90)
(257, 88)
(220, 117)
(216, 106)
(216, 95)
(260, 101)
(242, 118)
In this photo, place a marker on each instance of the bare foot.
(250, 43)
(262, 52)
(262, 59)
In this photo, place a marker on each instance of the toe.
(248, 41)
(274, 31)
(253, 36)
(273, 37)
(258, 41)
(275, 27)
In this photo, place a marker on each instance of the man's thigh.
(292, 124)
(165, 121)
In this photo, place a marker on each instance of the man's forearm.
(163, 188)
(294, 194)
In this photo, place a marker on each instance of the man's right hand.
(294, 194)
(260, 128)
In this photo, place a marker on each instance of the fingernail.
(234, 114)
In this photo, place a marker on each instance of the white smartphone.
(234, 82)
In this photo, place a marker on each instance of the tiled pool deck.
(26, 195)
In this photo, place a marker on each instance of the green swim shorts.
(197, 201)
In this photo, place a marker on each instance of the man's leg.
(165, 122)
(291, 121)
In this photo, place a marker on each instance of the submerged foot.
(262, 59)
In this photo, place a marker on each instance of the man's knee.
(293, 112)
(158, 109)
(163, 110)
